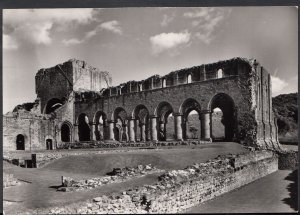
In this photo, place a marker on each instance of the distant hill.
(285, 109)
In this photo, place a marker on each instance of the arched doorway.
(52, 105)
(191, 124)
(65, 132)
(84, 130)
(49, 144)
(224, 108)
(20, 142)
(166, 125)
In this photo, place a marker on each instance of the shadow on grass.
(55, 187)
(292, 201)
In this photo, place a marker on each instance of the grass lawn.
(41, 192)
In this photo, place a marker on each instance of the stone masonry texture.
(76, 103)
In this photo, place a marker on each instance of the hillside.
(285, 109)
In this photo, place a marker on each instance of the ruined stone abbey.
(76, 103)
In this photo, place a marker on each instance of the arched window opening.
(65, 133)
(189, 79)
(220, 73)
(84, 128)
(52, 105)
(164, 83)
(20, 142)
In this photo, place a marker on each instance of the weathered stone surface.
(243, 92)
(182, 188)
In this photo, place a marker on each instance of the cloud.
(205, 21)
(72, 41)
(9, 42)
(113, 26)
(34, 25)
(165, 41)
(167, 19)
(278, 85)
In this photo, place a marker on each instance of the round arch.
(83, 127)
(20, 142)
(191, 124)
(141, 115)
(52, 105)
(226, 105)
(120, 124)
(101, 128)
(166, 129)
(66, 131)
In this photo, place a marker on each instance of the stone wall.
(35, 130)
(179, 190)
(73, 75)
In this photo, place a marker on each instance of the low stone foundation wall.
(116, 176)
(117, 144)
(178, 190)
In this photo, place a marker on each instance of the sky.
(136, 43)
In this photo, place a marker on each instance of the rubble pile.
(116, 176)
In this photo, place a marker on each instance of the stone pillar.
(143, 131)
(205, 125)
(131, 130)
(92, 131)
(153, 128)
(178, 126)
(125, 130)
(111, 130)
(76, 135)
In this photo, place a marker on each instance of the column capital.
(205, 111)
(110, 121)
(153, 116)
(130, 118)
(177, 114)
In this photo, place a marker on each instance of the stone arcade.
(76, 102)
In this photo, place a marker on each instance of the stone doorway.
(49, 144)
(20, 142)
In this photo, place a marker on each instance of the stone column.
(111, 130)
(143, 131)
(205, 125)
(131, 130)
(125, 130)
(76, 135)
(178, 126)
(92, 131)
(153, 128)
